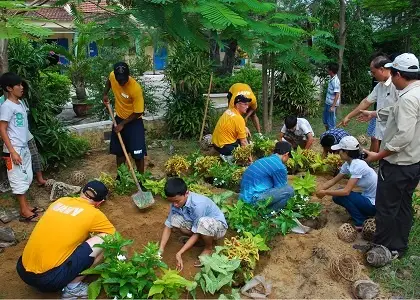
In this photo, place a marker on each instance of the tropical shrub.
(188, 73)
(295, 95)
(45, 91)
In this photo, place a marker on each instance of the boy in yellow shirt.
(129, 108)
(244, 89)
(230, 130)
(59, 248)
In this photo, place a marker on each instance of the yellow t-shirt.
(242, 89)
(65, 225)
(128, 98)
(229, 128)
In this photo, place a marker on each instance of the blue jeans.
(279, 196)
(328, 117)
(359, 207)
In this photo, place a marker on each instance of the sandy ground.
(290, 266)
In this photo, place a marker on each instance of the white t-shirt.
(367, 177)
(384, 94)
(17, 118)
(302, 128)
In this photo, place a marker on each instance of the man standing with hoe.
(129, 108)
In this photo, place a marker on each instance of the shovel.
(141, 199)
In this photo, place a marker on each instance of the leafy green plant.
(263, 146)
(121, 276)
(300, 204)
(108, 180)
(295, 95)
(241, 155)
(220, 199)
(188, 72)
(177, 165)
(305, 185)
(124, 184)
(216, 272)
(416, 201)
(234, 295)
(202, 164)
(157, 187)
(170, 286)
(200, 189)
(247, 249)
(222, 174)
(259, 219)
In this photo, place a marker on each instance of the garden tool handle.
(127, 158)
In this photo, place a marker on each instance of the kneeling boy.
(194, 215)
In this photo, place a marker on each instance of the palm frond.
(220, 14)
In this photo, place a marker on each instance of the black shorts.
(57, 278)
(133, 135)
(227, 149)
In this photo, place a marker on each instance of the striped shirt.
(337, 133)
(333, 88)
(264, 174)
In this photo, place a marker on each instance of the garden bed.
(291, 265)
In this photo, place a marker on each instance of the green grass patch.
(402, 277)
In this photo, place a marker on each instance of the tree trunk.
(265, 92)
(214, 52)
(229, 59)
(342, 36)
(273, 91)
(4, 59)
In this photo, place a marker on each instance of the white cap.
(406, 62)
(347, 143)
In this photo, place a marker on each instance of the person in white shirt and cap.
(399, 156)
(360, 205)
(384, 94)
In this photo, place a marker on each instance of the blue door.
(65, 44)
(160, 57)
(93, 49)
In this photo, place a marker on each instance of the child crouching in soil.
(194, 215)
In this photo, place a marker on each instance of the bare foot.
(206, 252)
(41, 182)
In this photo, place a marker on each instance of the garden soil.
(291, 265)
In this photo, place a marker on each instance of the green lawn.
(402, 277)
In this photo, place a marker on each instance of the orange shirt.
(229, 128)
(64, 226)
(242, 89)
(128, 98)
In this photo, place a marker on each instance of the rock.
(7, 215)
(7, 234)
(61, 189)
(365, 289)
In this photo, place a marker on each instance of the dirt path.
(291, 266)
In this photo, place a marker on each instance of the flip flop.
(197, 264)
(37, 210)
(29, 219)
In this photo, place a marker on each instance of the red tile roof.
(51, 13)
(92, 6)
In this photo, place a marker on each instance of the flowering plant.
(123, 277)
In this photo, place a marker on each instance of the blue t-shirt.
(368, 178)
(264, 174)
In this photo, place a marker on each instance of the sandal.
(38, 210)
(29, 219)
(198, 264)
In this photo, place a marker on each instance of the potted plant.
(80, 103)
